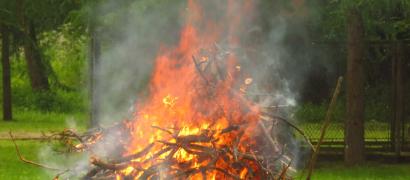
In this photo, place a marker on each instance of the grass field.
(15, 169)
(370, 171)
(12, 168)
(30, 123)
(34, 122)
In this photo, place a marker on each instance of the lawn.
(36, 151)
(369, 171)
(29, 123)
(15, 169)
(35, 121)
(12, 168)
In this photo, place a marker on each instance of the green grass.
(12, 168)
(370, 171)
(32, 122)
(35, 121)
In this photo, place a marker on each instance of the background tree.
(35, 65)
(5, 56)
(384, 22)
(354, 126)
(34, 18)
(6, 29)
(38, 31)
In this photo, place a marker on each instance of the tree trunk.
(5, 52)
(354, 127)
(397, 100)
(94, 56)
(36, 70)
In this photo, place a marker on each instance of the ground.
(33, 123)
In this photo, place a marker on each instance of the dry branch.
(300, 131)
(29, 161)
(326, 124)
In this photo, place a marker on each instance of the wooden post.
(94, 58)
(397, 99)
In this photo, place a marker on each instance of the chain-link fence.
(387, 121)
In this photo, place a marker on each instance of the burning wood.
(196, 123)
(208, 131)
(180, 156)
(196, 156)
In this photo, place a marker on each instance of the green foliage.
(49, 101)
(66, 51)
(383, 19)
(49, 14)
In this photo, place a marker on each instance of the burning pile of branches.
(218, 134)
(203, 154)
(183, 155)
(196, 123)
(198, 155)
(221, 135)
(211, 147)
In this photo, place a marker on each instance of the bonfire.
(197, 122)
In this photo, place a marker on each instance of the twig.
(200, 71)
(28, 161)
(300, 131)
(282, 175)
(91, 173)
(143, 152)
(326, 124)
(226, 173)
(57, 177)
(162, 129)
(266, 132)
(105, 165)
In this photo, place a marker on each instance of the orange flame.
(181, 98)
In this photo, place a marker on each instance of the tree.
(383, 21)
(36, 69)
(30, 19)
(354, 127)
(5, 53)
(398, 96)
